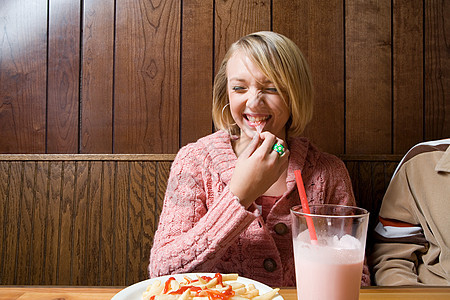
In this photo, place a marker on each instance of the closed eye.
(238, 88)
(272, 90)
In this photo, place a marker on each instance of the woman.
(227, 202)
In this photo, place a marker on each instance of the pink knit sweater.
(203, 227)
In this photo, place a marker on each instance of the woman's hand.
(258, 167)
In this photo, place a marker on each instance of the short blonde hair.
(282, 62)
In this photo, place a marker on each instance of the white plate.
(135, 291)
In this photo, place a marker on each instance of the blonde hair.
(282, 62)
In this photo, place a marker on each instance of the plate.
(135, 291)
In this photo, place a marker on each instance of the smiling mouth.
(256, 120)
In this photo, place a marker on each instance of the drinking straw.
(305, 206)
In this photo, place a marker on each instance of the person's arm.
(194, 229)
(399, 238)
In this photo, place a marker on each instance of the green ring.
(278, 148)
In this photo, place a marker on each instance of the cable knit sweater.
(204, 228)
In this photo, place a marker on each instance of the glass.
(331, 267)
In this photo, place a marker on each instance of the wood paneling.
(147, 76)
(196, 69)
(79, 220)
(23, 56)
(63, 80)
(236, 18)
(317, 28)
(368, 76)
(97, 77)
(437, 69)
(135, 76)
(407, 74)
(90, 219)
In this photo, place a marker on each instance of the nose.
(254, 98)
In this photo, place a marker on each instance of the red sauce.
(167, 286)
(224, 295)
(212, 294)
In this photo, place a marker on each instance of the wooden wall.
(90, 219)
(135, 76)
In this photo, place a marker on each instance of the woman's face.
(254, 99)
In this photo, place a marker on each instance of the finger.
(252, 146)
(279, 147)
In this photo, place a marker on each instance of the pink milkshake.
(327, 271)
(331, 267)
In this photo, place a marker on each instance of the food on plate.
(219, 287)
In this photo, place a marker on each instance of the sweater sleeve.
(194, 230)
(338, 186)
(399, 239)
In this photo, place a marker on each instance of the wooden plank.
(135, 223)
(368, 76)
(316, 26)
(25, 226)
(12, 223)
(147, 76)
(121, 230)
(407, 74)
(106, 256)
(97, 79)
(437, 70)
(149, 223)
(234, 19)
(23, 55)
(53, 222)
(63, 76)
(66, 240)
(80, 223)
(94, 224)
(80, 157)
(5, 177)
(196, 69)
(40, 229)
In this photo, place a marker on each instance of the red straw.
(305, 206)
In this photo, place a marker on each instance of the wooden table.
(106, 293)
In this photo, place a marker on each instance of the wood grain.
(135, 216)
(39, 230)
(106, 293)
(317, 27)
(197, 41)
(368, 76)
(121, 229)
(66, 238)
(135, 76)
(106, 255)
(236, 18)
(147, 74)
(437, 69)
(23, 55)
(5, 171)
(63, 77)
(408, 76)
(149, 211)
(25, 224)
(97, 77)
(92, 221)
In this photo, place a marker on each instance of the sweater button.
(270, 265)
(280, 228)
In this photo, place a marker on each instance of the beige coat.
(413, 237)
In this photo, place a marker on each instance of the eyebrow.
(267, 81)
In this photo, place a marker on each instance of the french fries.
(218, 287)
